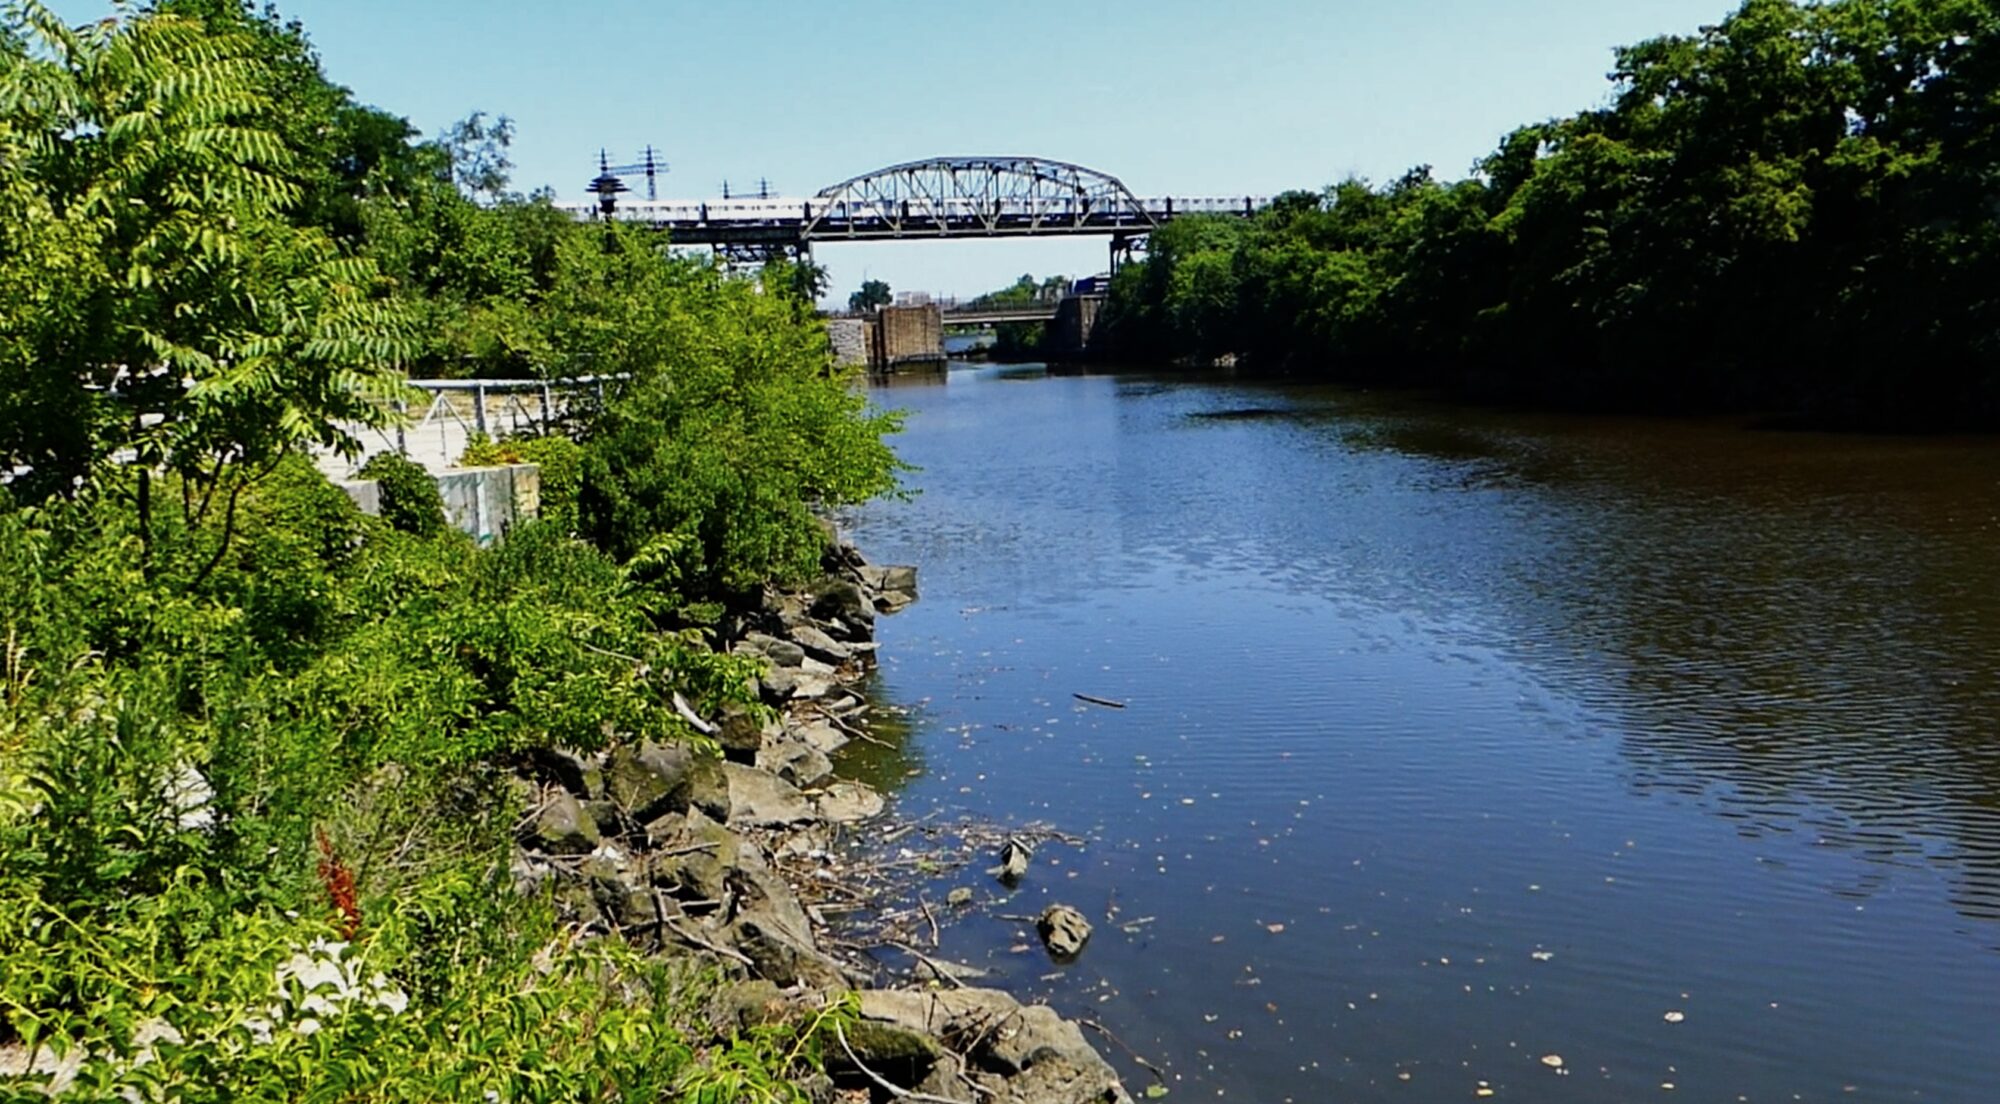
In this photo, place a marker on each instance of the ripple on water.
(1703, 715)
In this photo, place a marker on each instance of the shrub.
(410, 499)
(561, 463)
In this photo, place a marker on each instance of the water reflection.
(1700, 713)
(1801, 625)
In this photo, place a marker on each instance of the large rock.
(788, 610)
(1057, 1080)
(794, 760)
(710, 791)
(898, 1054)
(843, 598)
(763, 800)
(779, 682)
(821, 646)
(946, 1014)
(781, 955)
(650, 779)
(1045, 1057)
(822, 736)
(563, 827)
(810, 687)
(742, 1005)
(781, 653)
(849, 802)
(696, 863)
(740, 733)
(894, 587)
(620, 886)
(1064, 931)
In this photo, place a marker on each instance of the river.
(1460, 741)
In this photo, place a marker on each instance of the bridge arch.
(1032, 194)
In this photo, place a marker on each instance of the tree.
(159, 308)
(873, 294)
(478, 151)
(732, 423)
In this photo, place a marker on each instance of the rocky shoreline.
(731, 861)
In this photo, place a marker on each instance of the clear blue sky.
(1225, 97)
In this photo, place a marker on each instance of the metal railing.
(457, 411)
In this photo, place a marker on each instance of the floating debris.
(1674, 1016)
(1014, 856)
(1553, 1061)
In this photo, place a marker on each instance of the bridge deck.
(777, 220)
(993, 316)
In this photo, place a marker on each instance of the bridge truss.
(977, 196)
(943, 197)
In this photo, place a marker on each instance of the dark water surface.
(1528, 731)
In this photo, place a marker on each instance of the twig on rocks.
(726, 952)
(688, 850)
(1156, 1071)
(853, 731)
(889, 1086)
(926, 906)
(938, 968)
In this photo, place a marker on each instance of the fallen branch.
(891, 1087)
(690, 849)
(1158, 1073)
(1105, 702)
(726, 952)
(926, 906)
(688, 714)
(941, 969)
(851, 730)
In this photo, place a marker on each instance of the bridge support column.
(1074, 325)
(907, 339)
(1125, 248)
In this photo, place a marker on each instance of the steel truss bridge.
(942, 198)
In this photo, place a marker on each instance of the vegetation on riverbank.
(1790, 211)
(1020, 340)
(254, 816)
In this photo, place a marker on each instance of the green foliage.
(733, 423)
(1787, 211)
(478, 151)
(560, 459)
(157, 302)
(1021, 339)
(171, 750)
(409, 496)
(873, 294)
(239, 719)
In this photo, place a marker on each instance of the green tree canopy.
(873, 294)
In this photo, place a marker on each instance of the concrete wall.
(850, 339)
(908, 335)
(486, 501)
(366, 493)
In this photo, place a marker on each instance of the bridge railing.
(455, 411)
(784, 211)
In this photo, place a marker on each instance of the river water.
(1456, 739)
